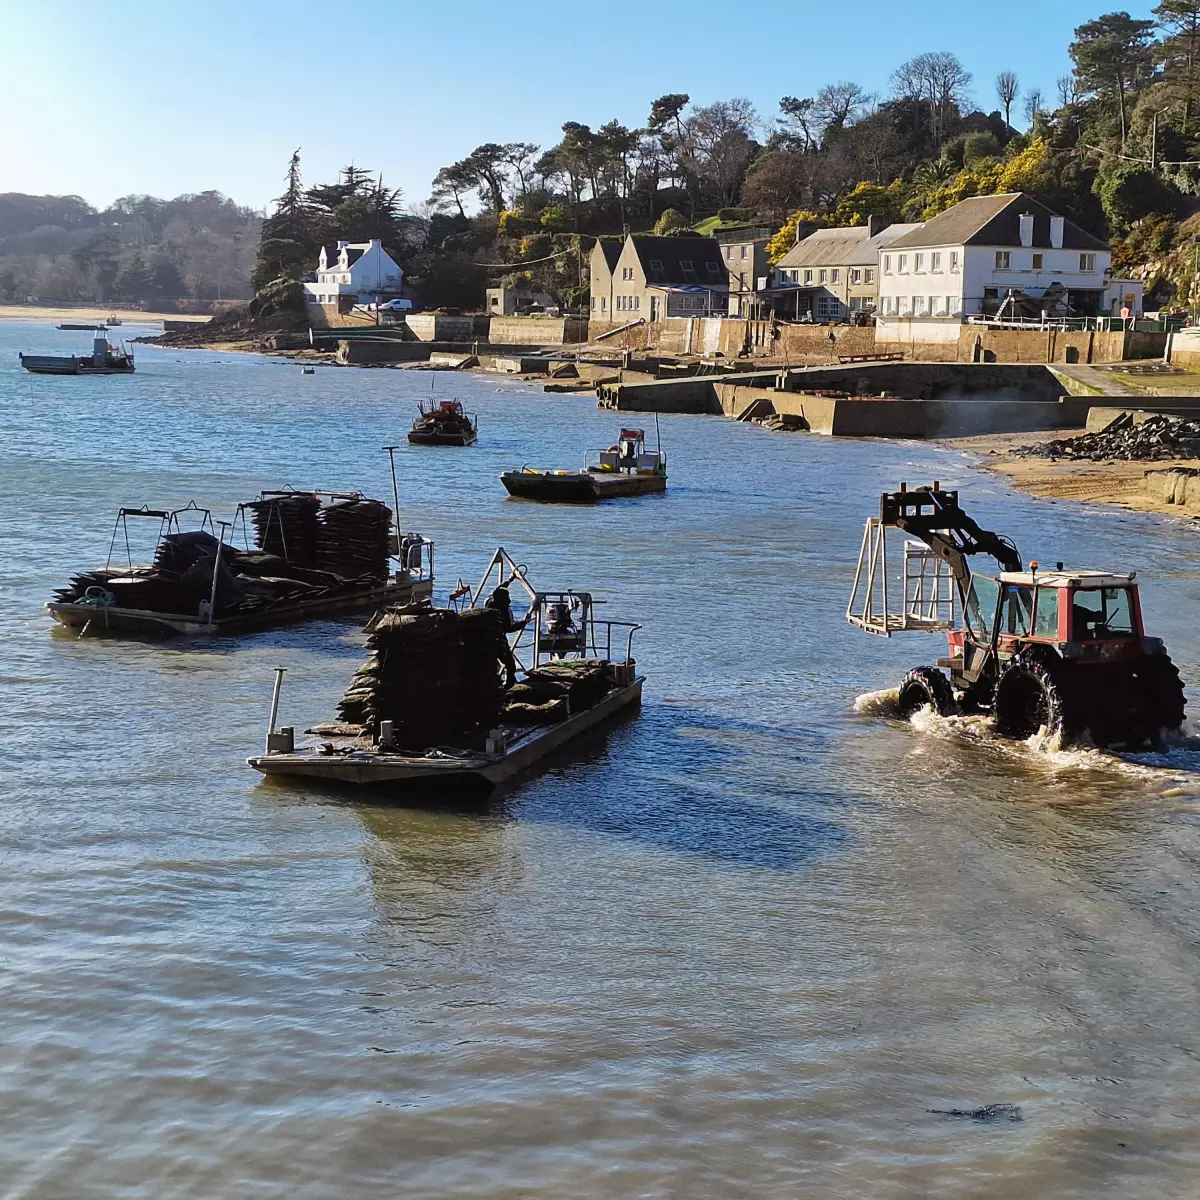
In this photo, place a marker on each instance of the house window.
(603, 303)
(656, 264)
(935, 261)
(870, 275)
(822, 276)
(1087, 262)
(902, 306)
(744, 251)
(686, 265)
(919, 263)
(808, 276)
(1003, 257)
(954, 261)
(918, 306)
(637, 302)
(729, 252)
(835, 275)
(496, 303)
(951, 306)
(856, 276)
(714, 269)
(902, 264)
(1037, 262)
(887, 264)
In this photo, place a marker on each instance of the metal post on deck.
(274, 706)
(212, 596)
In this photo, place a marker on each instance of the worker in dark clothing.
(500, 602)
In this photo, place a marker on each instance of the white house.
(1005, 256)
(363, 271)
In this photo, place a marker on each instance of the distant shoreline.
(55, 314)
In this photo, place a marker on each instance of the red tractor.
(1061, 650)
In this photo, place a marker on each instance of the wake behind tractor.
(1061, 650)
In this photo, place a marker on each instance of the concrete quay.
(909, 400)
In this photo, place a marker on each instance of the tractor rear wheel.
(1031, 694)
(1163, 701)
(926, 687)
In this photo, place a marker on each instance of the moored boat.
(315, 554)
(443, 424)
(105, 359)
(472, 730)
(624, 469)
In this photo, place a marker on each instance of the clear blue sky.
(165, 97)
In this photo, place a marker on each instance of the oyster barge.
(316, 554)
(105, 359)
(443, 424)
(469, 732)
(626, 469)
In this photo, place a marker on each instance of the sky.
(159, 97)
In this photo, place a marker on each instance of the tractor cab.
(1083, 614)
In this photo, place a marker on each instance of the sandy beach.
(1111, 482)
(55, 315)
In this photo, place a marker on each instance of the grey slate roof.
(846, 246)
(672, 252)
(996, 221)
(611, 250)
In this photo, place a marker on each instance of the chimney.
(876, 224)
(1027, 229)
(1056, 232)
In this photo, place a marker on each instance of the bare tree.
(1007, 90)
(722, 137)
(1068, 90)
(840, 103)
(1033, 105)
(940, 81)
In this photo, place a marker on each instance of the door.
(653, 308)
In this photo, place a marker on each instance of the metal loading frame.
(928, 589)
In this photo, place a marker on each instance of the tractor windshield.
(981, 606)
(1101, 613)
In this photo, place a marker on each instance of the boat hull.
(580, 487)
(143, 622)
(441, 439)
(470, 769)
(39, 364)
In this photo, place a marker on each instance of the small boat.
(471, 731)
(105, 359)
(308, 370)
(113, 321)
(443, 424)
(315, 554)
(90, 328)
(625, 469)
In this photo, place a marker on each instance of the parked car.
(396, 306)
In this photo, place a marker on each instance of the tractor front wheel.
(926, 687)
(1031, 695)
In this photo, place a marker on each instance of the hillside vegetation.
(141, 249)
(1117, 149)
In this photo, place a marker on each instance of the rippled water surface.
(739, 945)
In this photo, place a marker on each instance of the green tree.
(670, 222)
(1112, 56)
(134, 281)
(1180, 49)
(1129, 194)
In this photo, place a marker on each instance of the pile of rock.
(1157, 438)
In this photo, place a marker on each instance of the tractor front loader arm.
(934, 517)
